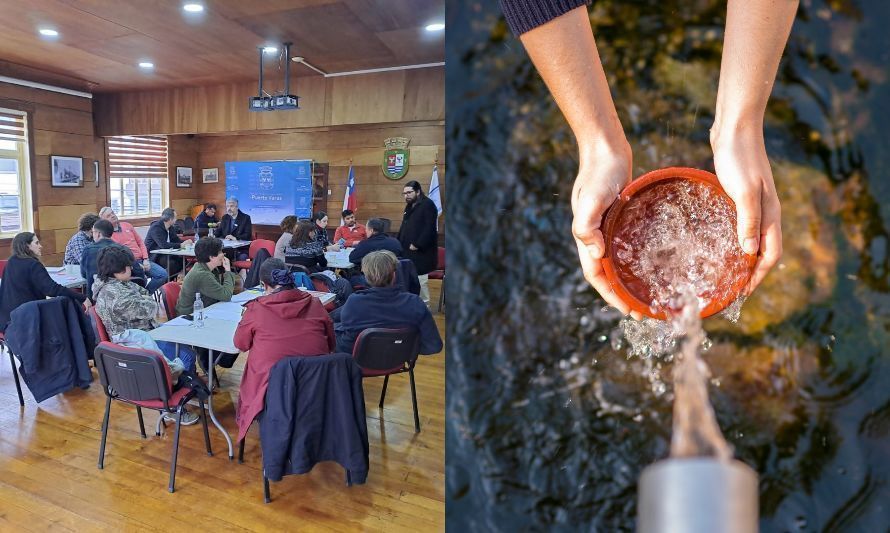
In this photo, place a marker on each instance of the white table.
(218, 334)
(190, 251)
(339, 259)
(64, 279)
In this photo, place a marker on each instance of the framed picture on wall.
(211, 175)
(183, 176)
(66, 171)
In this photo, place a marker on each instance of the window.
(15, 182)
(137, 175)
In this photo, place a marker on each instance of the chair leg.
(241, 450)
(141, 423)
(15, 375)
(158, 427)
(383, 392)
(206, 432)
(104, 432)
(414, 401)
(441, 296)
(175, 448)
(267, 497)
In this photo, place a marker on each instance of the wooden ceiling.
(101, 42)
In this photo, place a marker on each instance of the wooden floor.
(49, 479)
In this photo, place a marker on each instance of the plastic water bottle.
(198, 312)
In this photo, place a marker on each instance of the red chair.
(439, 273)
(169, 296)
(101, 332)
(383, 352)
(255, 247)
(142, 378)
(3, 266)
(4, 346)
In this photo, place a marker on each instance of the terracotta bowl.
(622, 282)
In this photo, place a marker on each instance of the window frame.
(164, 182)
(22, 154)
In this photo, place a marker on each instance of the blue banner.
(270, 190)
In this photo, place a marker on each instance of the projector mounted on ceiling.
(275, 102)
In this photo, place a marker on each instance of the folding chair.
(15, 372)
(439, 274)
(384, 352)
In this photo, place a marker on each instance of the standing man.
(125, 235)
(351, 231)
(162, 234)
(418, 236)
(235, 224)
(204, 219)
(81, 239)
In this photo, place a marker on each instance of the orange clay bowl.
(636, 296)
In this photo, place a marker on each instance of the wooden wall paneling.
(311, 91)
(182, 151)
(62, 120)
(368, 99)
(62, 216)
(48, 98)
(424, 94)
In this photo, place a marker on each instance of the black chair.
(384, 352)
(15, 372)
(141, 378)
(188, 225)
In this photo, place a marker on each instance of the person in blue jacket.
(385, 305)
(25, 279)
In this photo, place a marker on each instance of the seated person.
(320, 218)
(350, 233)
(162, 234)
(235, 225)
(26, 279)
(81, 239)
(89, 260)
(125, 235)
(304, 250)
(282, 323)
(377, 240)
(385, 305)
(204, 219)
(123, 305)
(287, 225)
(211, 276)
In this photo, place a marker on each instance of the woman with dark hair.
(320, 218)
(26, 280)
(211, 277)
(287, 225)
(283, 322)
(304, 249)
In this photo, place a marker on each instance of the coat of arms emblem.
(395, 158)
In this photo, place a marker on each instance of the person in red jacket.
(284, 322)
(351, 231)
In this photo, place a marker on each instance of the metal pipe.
(259, 92)
(287, 68)
(697, 495)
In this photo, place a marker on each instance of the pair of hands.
(231, 238)
(744, 172)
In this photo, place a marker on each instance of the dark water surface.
(549, 425)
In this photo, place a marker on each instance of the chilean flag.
(349, 198)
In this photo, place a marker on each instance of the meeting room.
(222, 261)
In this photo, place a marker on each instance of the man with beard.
(417, 234)
(235, 224)
(351, 231)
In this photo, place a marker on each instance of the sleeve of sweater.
(47, 286)
(430, 340)
(525, 15)
(212, 288)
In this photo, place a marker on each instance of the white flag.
(434, 194)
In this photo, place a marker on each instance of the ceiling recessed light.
(269, 49)
(193, 7)
(146, 64)
(438, 26)
(48, 32)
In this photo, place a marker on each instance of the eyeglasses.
(407, 193)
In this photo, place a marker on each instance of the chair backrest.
(440, 263)
(258, 244)
(383, 350)
(2, 266)
(188, 223)
(133, 374)
(170, 292)
(101, 332)
(387, 223)
(179, 225)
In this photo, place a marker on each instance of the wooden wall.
(377, 196)
(60, 125)
(182, 151)
(389, 97)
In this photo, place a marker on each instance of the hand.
(146, 265)
(604, 172)
(743, 170)
(87, 304)
(412, 247)
(227, 265)
(334, 248)
(230, 238)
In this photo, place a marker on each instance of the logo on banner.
(395, 158)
